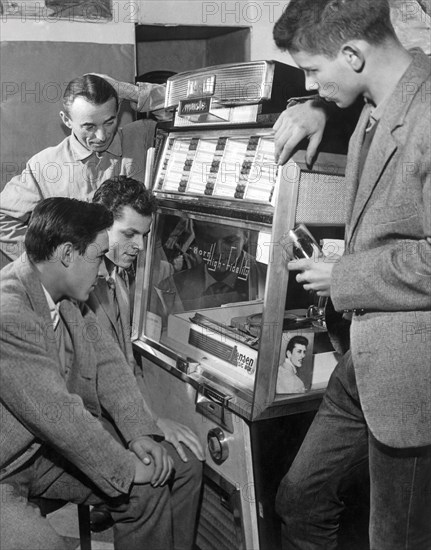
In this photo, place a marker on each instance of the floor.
(65, 522)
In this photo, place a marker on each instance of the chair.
(47, 506)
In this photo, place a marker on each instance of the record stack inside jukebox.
(215, 307)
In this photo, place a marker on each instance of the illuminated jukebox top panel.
(222, 165)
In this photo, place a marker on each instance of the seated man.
(132, 207)
(59, 371)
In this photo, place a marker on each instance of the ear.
(65, 119)
(66, 253)
(354, 56)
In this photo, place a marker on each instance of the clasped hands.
(152, 462)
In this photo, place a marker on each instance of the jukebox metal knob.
(218, 445)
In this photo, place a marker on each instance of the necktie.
(59, 337)
(366, 144)
(120, 298)
(217, 294)
(113, 290)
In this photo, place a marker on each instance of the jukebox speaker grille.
(321, 199)
(218, 526)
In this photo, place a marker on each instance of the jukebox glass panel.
(207, 277)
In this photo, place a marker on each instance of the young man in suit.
(59, 372)
(132, 207)
(377, 404)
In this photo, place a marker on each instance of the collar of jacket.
(408, 87)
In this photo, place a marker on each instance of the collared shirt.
(376, 112)
(230, 280)
(288, 381)
(69, 170)
(53, 308)
(62, 338)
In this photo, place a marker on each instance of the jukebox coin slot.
(213, 404)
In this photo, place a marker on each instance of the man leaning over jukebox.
(377, 404)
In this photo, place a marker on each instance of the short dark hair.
(58, 220)
(92, 88)
(322, 26)
(296, 340)
(121, 191)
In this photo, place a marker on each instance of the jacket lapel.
(83, 375)
(352, 168)
(106, 307)
(382, 149)
(385, 141)
(29, 278)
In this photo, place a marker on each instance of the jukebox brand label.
(194, 106)
(244, 361)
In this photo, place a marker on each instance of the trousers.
(338, 443)
(161, 518)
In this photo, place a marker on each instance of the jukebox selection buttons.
(218, 445)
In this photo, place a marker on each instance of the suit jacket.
(39, 407)
(101, 303)
(386, 270)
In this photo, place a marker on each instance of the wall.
(410, 18)
(187, 55)
(259, 16)
(172, 55)
(39, 57)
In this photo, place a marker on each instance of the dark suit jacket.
(386, 269)
(39, 407)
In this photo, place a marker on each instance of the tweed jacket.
(385, 274)
(101, 303)
(38, 406)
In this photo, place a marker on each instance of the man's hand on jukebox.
(302, 119)
(178, 434)
(153, 457)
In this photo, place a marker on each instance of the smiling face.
(334, 79)
(94, 126)
(296, 356)
(83, 269)
(126, 236)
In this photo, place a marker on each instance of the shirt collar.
(376, 112)
(106, 269)
(82, 153)
(229, 280)
(289, 363)
(53, 308)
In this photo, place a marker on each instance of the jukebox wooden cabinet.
(215, 307)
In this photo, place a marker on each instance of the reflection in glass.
(200, 265)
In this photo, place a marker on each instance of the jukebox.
(230, 344)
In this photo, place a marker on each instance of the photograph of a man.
(288, 380)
